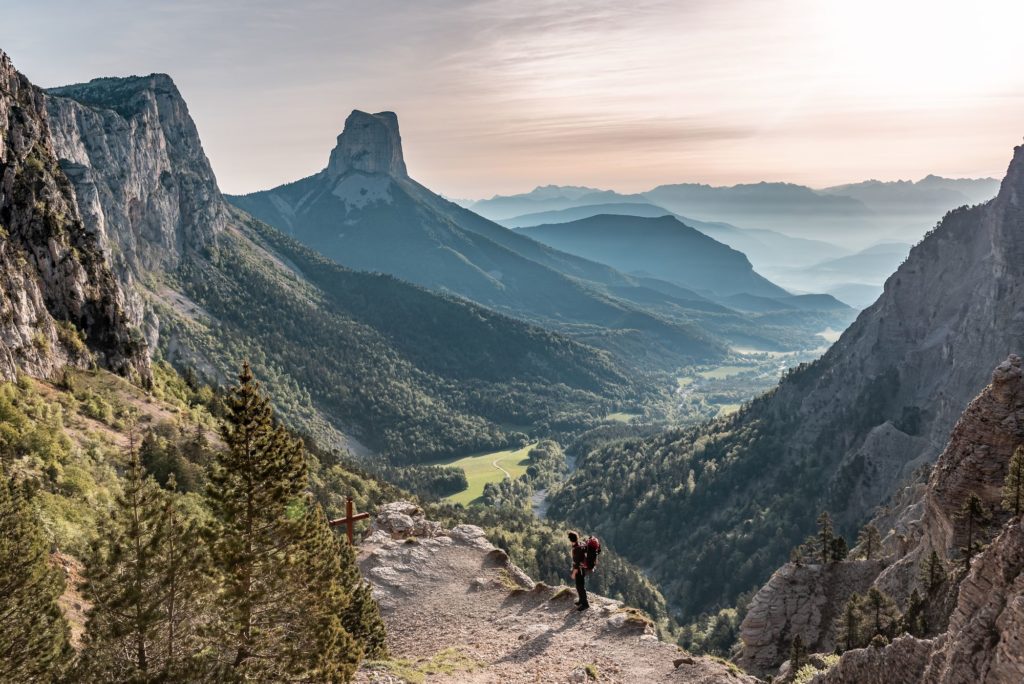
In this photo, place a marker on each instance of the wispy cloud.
(497, 96)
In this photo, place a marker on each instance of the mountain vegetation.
(836, 435)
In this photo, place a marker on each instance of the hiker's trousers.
(581, 585)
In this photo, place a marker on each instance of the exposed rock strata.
(59, 300)
(978, 623)
(141, 178)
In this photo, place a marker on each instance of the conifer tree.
(974, 514)
(34, 636)
(870, 541)
(852, 623)
(145, 579)
(881, 612)
(825, 537)
(797, 653)
(932, 573)
(1013, 488)
(361, 617)
(278, 612)
(914, 621)
(839, 549)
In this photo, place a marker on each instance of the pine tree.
(34, 636)
(914, 621)
(870, 541)
(839, 550)
(974, 514)
(825, 537)
(881, 612)
(145, 579)
(361, 617)
(852, 623)
(933, 573)
(797, 653)
(278, 613)
(1013, 488)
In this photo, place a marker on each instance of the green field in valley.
(621, 417)
(490, 467)
(722, 372)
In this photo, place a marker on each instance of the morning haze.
(496, 97)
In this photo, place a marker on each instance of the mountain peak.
(370, 143)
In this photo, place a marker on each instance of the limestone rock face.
(142, 181)
(922, 518)
(59, 300)
(370, 144)
(799, 600)
(984, 641)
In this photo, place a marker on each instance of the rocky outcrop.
(799, 600)
(450, 594)
(369, 144)
(59, 301)
(976, 623)
(984, 641)
(142, 181)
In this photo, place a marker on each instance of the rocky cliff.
(975, 618)
(842, 434)
(142, 181)
(369, 143)
(59, 301)
(457, 608)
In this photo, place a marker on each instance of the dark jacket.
(579, 555)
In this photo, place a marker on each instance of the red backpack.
(593, 548)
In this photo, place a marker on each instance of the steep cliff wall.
(59, 301)
(141, 178)
(975, 618)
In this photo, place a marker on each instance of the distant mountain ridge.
(212, 286)
(840, 434)
(368, 214)
(853, 215)
(660, 247)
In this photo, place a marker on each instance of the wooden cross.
(349, 521)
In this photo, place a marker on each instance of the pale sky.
(497, 96)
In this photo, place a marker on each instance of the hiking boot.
(583, 606)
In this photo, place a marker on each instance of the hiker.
(584, 560)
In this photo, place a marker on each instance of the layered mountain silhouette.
(400, 370)
(364, 211)
(853, 215)
(660, 247)
(840, 434)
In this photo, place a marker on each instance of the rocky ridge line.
(443, 591)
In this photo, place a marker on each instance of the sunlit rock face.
(370, 143)
(59, 301)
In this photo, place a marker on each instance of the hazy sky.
(497, 96)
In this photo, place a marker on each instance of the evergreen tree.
(914, 621)
(881, 613)
(278, 612)
(851, 624)
(1013, 488)
(932, 573)
(361, 618)
(839, 549)
(870, 542)
(825, 537)
(34, 636)
(145, 579)
(974, 514)
(797, 654)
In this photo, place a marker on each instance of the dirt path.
(456, 610)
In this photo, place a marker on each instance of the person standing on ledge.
(579, 570)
